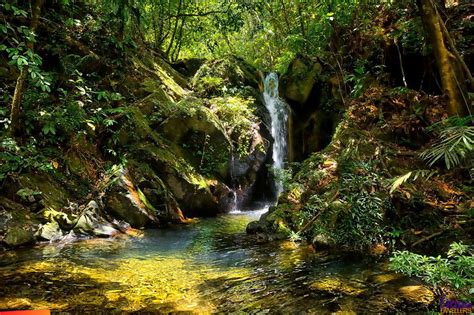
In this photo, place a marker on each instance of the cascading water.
(278, 110)
(279, 117)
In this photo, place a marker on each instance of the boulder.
(230, 72)
(322, 241)
(50, 231)
(91, 222)
(195, 194)
(17, 224)
(17, 236)
(126, 202)
(297, 83)
(199, 137)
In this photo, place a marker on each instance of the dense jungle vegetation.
(118, 117)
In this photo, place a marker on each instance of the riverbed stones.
(417, 294)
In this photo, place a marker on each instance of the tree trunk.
(174, 29)
(21, 81)
(453, 86)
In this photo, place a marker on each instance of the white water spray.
(279, 118)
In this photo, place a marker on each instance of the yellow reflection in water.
(126, 284)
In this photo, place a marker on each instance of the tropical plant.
(455, 144)
(456, 270)
(396, 182)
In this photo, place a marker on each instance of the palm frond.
(454, 145)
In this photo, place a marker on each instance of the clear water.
(279, 120)
(207, 267)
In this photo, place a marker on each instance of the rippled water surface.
(210, 266)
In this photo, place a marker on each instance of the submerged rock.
(417, 294)
(334, 286)
(322, 241)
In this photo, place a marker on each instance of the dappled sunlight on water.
(210, 266)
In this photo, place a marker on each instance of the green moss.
(54, 194)
(172, 81)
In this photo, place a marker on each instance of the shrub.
(457, 270)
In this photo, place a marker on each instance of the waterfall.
(279, 117)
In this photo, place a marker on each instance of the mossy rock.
(196, 195)
(228, 72)
(17, 223)
(297, 83)
(201, 140)
(18, 235)
(124, 201)
(173, 82)
(53, 194)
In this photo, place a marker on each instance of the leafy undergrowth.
(356, 193)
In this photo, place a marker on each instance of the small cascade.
(234, 208)
(278, 110)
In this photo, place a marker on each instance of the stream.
(205, 267)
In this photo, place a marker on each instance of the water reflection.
(211, 266)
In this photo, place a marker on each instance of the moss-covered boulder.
(216, 77)
(17, 236)
(17, 224)
(196, 195)
(297, 83)
(199, 137)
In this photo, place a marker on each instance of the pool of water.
(205, 267)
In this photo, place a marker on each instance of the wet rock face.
(124, 201)
(314, 99)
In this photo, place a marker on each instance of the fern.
(454, 144)
(413, 176)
